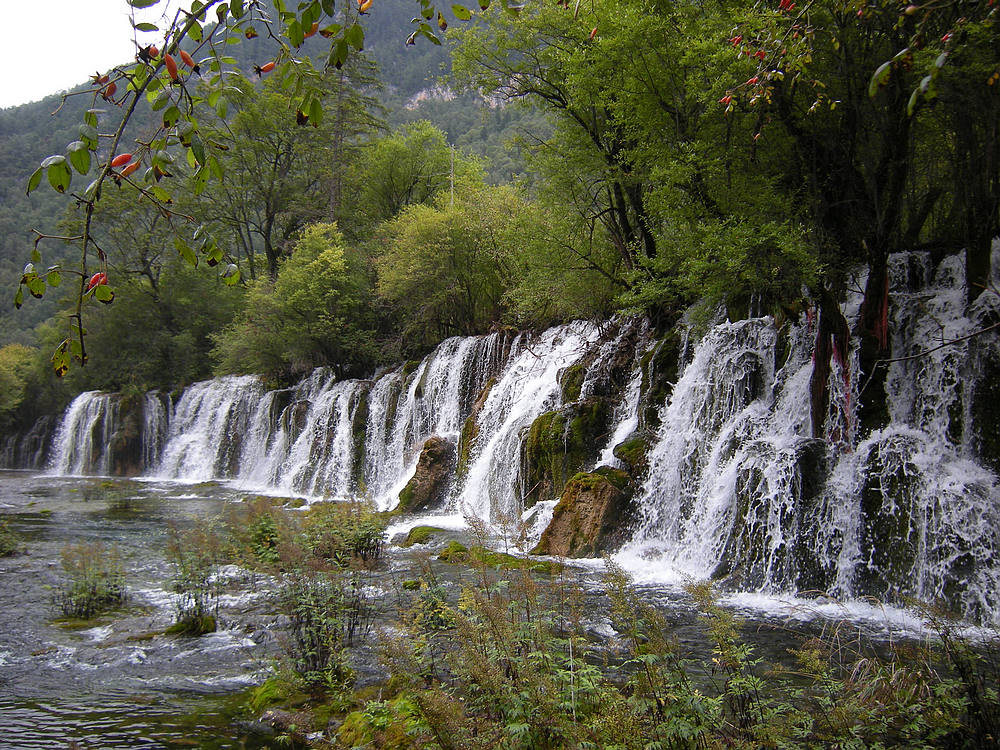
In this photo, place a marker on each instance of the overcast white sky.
(51, 45)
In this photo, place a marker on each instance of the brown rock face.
(430, 482)
(591, 516)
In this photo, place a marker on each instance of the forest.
(639, 156)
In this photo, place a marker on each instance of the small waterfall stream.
(737, 488)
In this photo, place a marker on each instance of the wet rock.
(591, 517)
(430, 483)
(125, 443)
(559, 444)
(470, 429)
(659, 373)
(985, 411)
(633, 452)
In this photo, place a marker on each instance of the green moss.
(457, 553)
(411, 585)
(410, 366)
(193, 626)
(420, 535)
(633, 452)
(470, 430)
(571, 381)
(659, 373)
(10, 542)
(558, 445)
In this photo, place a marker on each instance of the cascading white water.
(528, 387)
(80, 445)
(738, 489)
(207, 428)
(433, 400)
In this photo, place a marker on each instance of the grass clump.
(10, 542)
(94, 583)
(196, 554)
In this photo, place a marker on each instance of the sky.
(48, 46)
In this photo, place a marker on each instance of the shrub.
(344, 533)
(10, 542)
(196, 554)
(95, 580)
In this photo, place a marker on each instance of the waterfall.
(207, 428)
(80, 445)
(734, 485)
(27, 450)
(528, 387)
(738, 490)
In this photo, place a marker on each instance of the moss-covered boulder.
(421, 535)
(125, 456)
(457, 553)
(559, 444)
(660, 367)
(571, 381)
(633, 451)
(428, 487)
(592, 515)
(470, 429)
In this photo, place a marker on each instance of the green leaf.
(236, 8)
(145, 26)
(59, 173)
(170, 116)
(36, 286)
(879, 78)
(53, 278)
(36, 257)
(103, 293)
(461, 12)
(338, 55)
(200, 180)
(329, 7)
(186, 252)
(198, 149)
(35, 180)
(222, 12)
(162, 195)
(92, 190)
(142, 3)
(315, 112)
(79, 156)
(222, 108)
(195, 32)
(19, 297)
(216, 168)
(355, 36)
(161, 101)
(295, 34)
(231, 275)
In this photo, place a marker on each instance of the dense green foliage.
(610, 156)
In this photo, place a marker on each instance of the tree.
(316, 312)
(162, 79)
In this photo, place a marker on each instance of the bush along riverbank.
(433, 648)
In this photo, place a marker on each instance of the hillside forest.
(571, 161)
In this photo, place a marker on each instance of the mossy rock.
(410, 367)
(633, 451)
(428, 488)
(457, 553)
(421, 535)
(559, 444)
(193, 626)
(571, 382)
(592, 515)
(470, 429)
(659, 372)
(985, 410)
